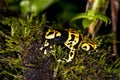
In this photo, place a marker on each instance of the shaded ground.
(37, 65)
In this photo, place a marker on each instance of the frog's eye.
(85, 46)
(57, 38)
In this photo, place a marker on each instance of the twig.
(114, 14)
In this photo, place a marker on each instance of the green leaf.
(86, 23)
(80, 16)
(25, 6)
(103, 18)
(35, 6)
(91, 15)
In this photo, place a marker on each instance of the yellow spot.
(58, 34)
(85, 46)
(75, 40)
(51, 34)
(41, 48)
(46, 43)
(45, 52)
(94, 46)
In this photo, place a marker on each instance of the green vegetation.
(21, 39)
(16, 45)
(97, 65)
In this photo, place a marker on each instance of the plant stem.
(96, 6)
(114, 14)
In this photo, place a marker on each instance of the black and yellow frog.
(70, 38)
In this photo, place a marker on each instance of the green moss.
(20, 57)
(97, 65)
(16, 45)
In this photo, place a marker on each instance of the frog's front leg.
(45, 45)
(71, 56)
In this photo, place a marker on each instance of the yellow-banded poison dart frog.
(73, 40)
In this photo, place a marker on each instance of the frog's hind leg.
(71, 56)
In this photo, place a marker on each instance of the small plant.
(89, 17)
